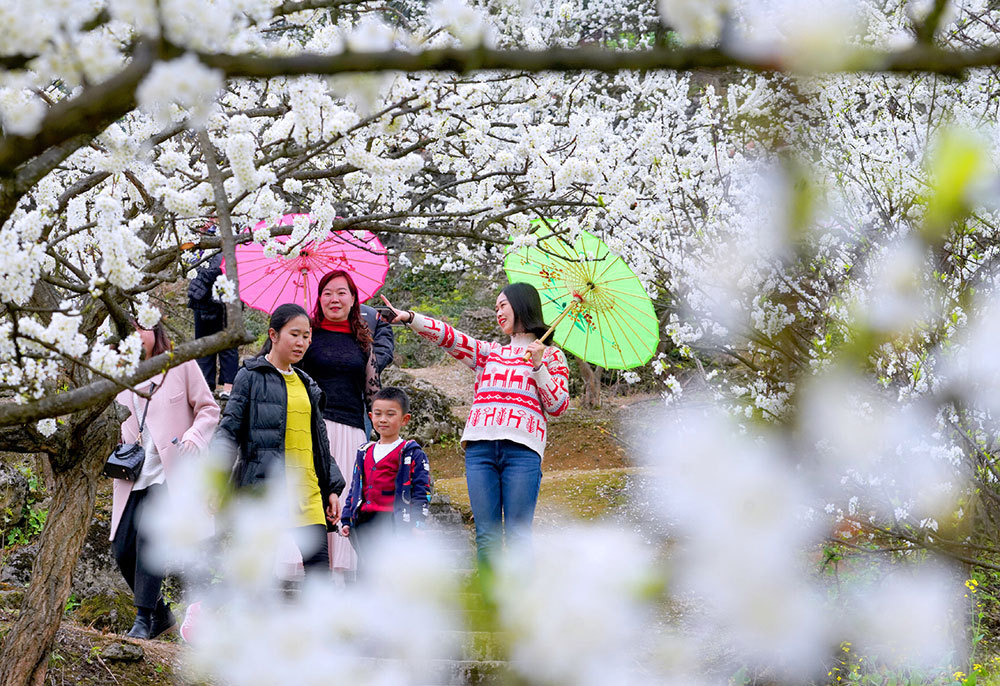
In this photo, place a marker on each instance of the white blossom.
(21, 111)
(696, 21)
(224, 289)
(147, 315)
(184, 81)
(601, 640)
(46, 427)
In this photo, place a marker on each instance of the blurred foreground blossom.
(697, 21)
(21, 111)
(184, 81)
(179, 523)
(807, 35)
(971, 368)
(910, 617)
(469, 24)
(744, 506)
(393, 626)
(898, 299)
(738, 508)
(577, 606)
(882, 463)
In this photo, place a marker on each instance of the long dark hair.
(358, 325)
(161, 342)
(527, 307)
(281, 316)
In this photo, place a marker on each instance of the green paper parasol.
(599, 310)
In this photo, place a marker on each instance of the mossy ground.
(113, 614)
(569, 494)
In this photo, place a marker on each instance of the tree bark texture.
(591, 384)
(25, 656)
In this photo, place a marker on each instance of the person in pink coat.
(181, 419)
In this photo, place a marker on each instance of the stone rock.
(481, 323)
(123, 652)
(13, 495)
(442, 514)
(96, 573)
(432, 417)
(412, 350)
(17, 565)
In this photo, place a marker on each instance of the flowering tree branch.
(919, 58)
(87, 113)
(304, 5)
(98, 105)
(99, 393)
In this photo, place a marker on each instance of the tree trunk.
(591, 384)
(25, 655)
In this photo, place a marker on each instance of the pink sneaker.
(190, 622)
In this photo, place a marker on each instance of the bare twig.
(234, 310)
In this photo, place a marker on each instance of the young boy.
(390, 486)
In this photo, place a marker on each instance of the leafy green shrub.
(439, 294)
(33, 516)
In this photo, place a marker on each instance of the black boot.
(163, 620)
(142, 627)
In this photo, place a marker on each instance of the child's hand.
(333, 509)
(345, 530)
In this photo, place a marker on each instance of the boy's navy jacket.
(413, 487)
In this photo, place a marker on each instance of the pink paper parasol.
(266, 282)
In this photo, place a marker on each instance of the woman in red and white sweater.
(517, 387)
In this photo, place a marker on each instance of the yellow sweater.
(300, 472)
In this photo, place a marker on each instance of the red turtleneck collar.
(342, 327)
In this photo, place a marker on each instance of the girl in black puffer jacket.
(273, 423)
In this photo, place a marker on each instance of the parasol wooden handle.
(554, 325)
(578, 298)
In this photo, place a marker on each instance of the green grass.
(584, 495)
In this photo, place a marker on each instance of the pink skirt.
(344, 443)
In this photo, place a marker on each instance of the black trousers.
(367, 530)
(229, 359)
(130, 549)
(312, 543)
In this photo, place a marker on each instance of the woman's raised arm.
(470, 351)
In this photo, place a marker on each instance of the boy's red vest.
(379, 490)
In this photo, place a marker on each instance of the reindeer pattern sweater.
(511, 399)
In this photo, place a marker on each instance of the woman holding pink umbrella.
(341, 359)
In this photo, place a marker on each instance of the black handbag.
(126, 460)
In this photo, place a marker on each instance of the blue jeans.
(503, 479)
